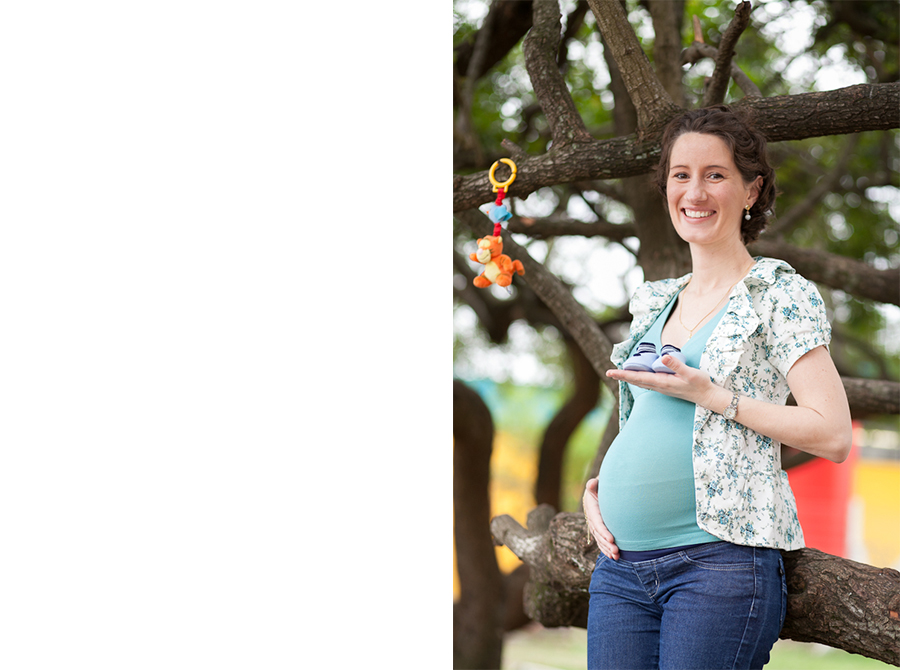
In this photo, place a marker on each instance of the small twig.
(699, 50)
(515, 150)
(698, 33)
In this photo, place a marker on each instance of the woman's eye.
(679, 175)
(715, 175)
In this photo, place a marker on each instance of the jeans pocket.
(597, 576)
(721, 556)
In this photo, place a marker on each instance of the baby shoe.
(674, 352)
(642, 360)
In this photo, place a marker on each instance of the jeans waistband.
(653, 554)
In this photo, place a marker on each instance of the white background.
(219, 316)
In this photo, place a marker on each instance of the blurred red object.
(823, 490)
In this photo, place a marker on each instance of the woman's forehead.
(701, 148)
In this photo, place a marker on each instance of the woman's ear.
(754, 189)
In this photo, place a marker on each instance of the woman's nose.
(695, 191)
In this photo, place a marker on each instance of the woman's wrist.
(718, 399)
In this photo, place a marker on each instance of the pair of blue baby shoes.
(645, 359)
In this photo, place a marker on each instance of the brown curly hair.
(748, 148)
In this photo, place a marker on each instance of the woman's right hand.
(598, 529)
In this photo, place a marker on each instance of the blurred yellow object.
(877, 486)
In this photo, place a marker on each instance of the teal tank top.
(646, 481)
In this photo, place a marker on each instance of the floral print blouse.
(773, 317)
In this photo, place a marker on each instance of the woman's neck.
(716, 269)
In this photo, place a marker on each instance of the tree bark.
(843, 604)
(653, 104)
(789, 117)
(478, 614)
(868, 397)
(831, 600)
(540, 48)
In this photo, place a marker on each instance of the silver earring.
(747, 215)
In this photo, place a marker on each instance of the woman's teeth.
(697, 215)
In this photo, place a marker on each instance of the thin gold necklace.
(681, 304)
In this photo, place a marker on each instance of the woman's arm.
(819, 424)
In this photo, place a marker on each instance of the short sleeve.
(638, 306)
(798, 322)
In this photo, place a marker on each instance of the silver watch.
(731, 411)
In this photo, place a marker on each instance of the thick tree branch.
(835, 271)
(868, 397)
(790, 117)
(718, 83)
(847, 110)
(653, 104)
(831, 600)
(541, 48)
(843, 604)
(625, 121)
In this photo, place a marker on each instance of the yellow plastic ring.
(512, 177)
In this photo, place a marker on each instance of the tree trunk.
(478, 614)
(831, 600)
(553, 447)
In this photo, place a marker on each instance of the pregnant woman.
(691, 505)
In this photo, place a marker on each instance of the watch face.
(731, 411)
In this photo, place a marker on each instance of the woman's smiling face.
(705, 191)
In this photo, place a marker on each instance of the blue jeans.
(717, 605)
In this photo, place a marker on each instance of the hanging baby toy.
(498, 267)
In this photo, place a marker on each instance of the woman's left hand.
(687, 383)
